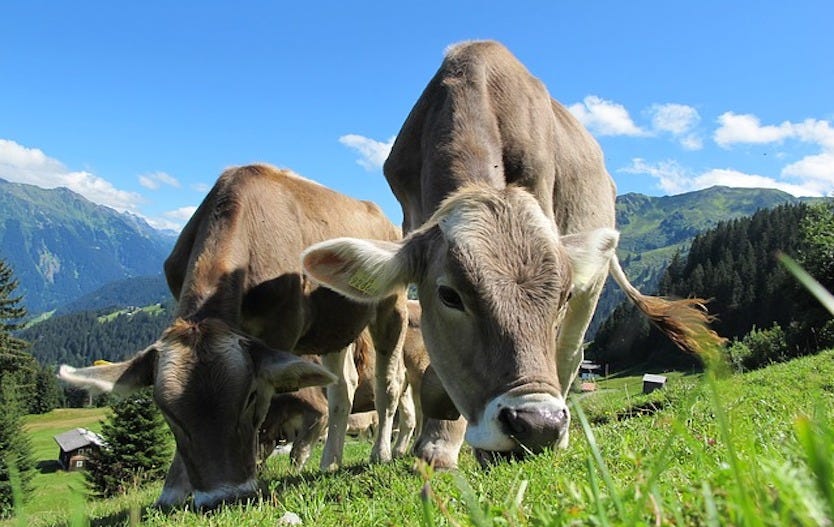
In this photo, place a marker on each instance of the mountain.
(130, 292)
(62, 246)
(652, 229)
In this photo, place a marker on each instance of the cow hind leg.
(388, 333)
(407, 422)
(339, 402)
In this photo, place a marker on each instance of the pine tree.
(13, 356)
(17, 369)
(15, 449)
(137, 447)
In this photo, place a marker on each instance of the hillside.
(138, 291)
(83, 337)
(62, 246)
(652, 229)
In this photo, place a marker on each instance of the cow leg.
(439, 442)
(339, 402)
(177, 485)
(569, 344)
(407, 422)
(388, 333)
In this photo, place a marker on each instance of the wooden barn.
(75, 445)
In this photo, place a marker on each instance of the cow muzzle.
(225, 494)
(520, 424)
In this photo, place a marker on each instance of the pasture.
(750, 449)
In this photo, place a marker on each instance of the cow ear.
(435, 402)
(285, 371)
(121, 378)
(590, 253)
(362, 270)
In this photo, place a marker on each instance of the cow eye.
(450, 297)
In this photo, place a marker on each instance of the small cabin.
(75, 447)
(652, 382)
(589, 371)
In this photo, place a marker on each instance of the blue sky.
(141, 105)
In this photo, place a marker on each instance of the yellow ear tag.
(364, 282)
(101, 362)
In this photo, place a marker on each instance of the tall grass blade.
(750, 515)
(711, 511)
(592, 481)
(600, 462)
(470, 499)
(818, 444)
(814, 287)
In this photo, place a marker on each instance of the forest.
(734, 267)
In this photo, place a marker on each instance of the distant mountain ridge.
(62, 246)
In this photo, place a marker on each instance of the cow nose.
(535, 428)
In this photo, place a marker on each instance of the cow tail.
(685, 321)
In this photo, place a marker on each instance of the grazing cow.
(235, 270)
(301, 417)
(509, 212)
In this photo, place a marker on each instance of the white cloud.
(678, 120)
(746, 128)
(603, 117)
(31, 166)
(672, 177)
(815, 171)
(673, 118)
(692, 142)
(202, 188)
(675, 179)
(734, 178)
(182, 213)
(154, 180)
(373, 153)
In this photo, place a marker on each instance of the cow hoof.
(377, 457)
(438, 458)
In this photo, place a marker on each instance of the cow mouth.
(489, 458)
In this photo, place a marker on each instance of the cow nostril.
(534, 428)
(513, 425)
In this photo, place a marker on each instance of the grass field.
(56, 491)
(752, 449)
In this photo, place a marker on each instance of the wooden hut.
(75, 446)
(652, 382)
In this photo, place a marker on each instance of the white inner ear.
(590, 254)
(67, 373)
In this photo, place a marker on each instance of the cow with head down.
(244, 310)
(509, 213)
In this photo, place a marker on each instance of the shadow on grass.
(48, 466)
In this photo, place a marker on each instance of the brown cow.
(235, 270)
(510, 212)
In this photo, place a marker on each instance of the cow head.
(494, 279)
(214, 387)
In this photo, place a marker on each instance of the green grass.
(153, 309)
(752, 449)
(56, 490)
